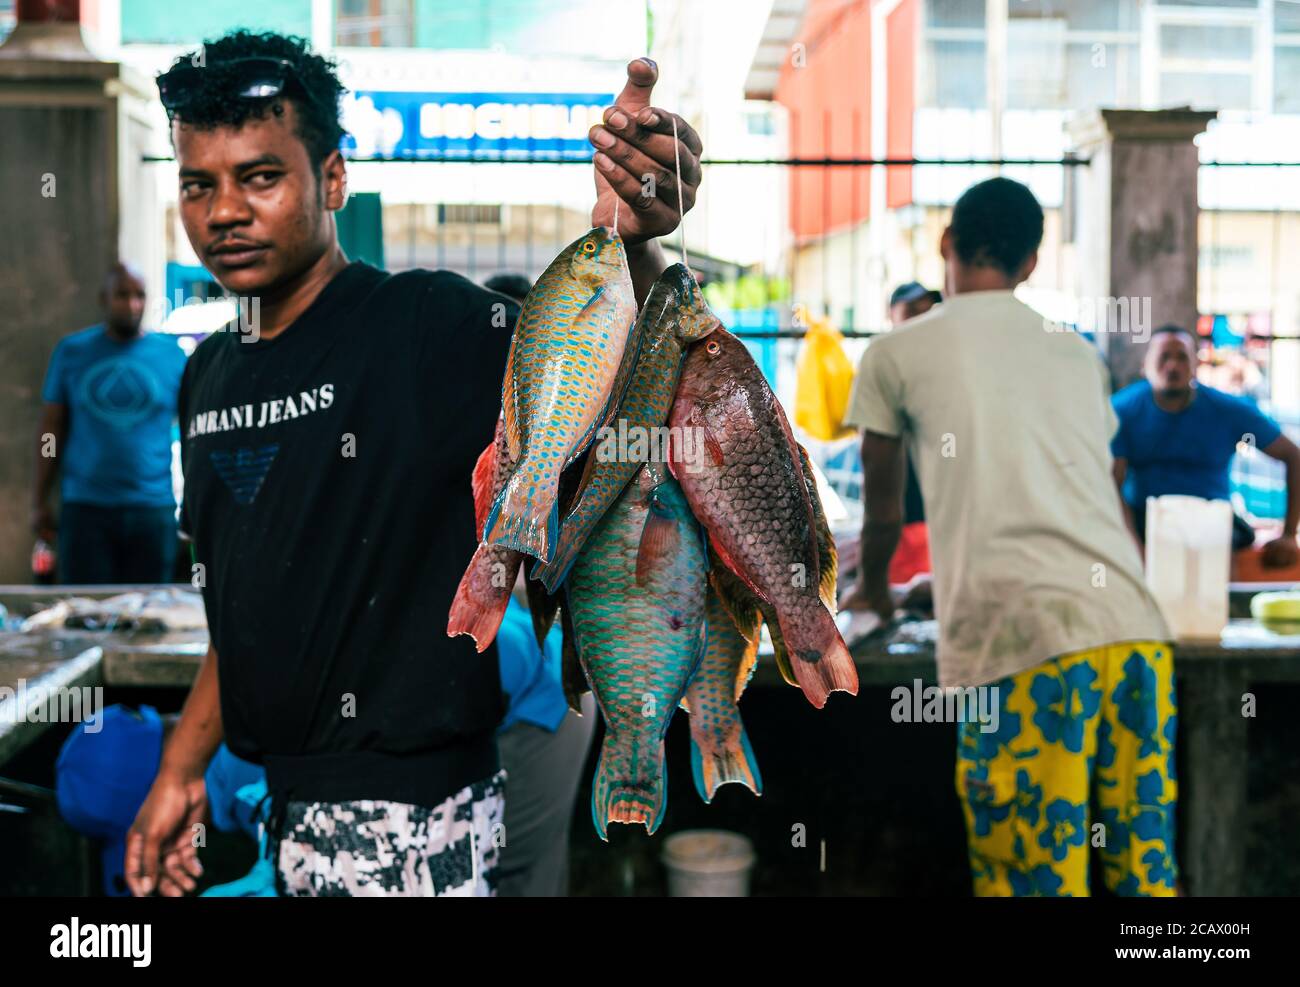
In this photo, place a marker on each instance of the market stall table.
(1212, 677)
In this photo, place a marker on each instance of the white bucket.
(708, 863)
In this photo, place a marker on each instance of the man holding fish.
(329, 538)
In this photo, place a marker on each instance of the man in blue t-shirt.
(110, 401)
(1178, 437)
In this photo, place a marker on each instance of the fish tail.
(826, 666)
(716, 761)
(526, 515)
(616, 798)
(480, 605)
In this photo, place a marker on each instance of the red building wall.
(901, 27)
(829, 104)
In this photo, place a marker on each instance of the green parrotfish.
(635, 600)
(565, 356)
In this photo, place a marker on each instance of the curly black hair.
(313, 87)
(997, 223)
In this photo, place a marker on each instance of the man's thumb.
(642, 74)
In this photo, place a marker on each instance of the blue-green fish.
(566, 352)
(674, 315)
(636, 604)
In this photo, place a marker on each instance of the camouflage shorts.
(370, 848)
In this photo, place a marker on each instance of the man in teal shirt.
(110, 401)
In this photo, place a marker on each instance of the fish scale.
(674, 314)
(636, 603)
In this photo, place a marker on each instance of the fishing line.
(681, 208)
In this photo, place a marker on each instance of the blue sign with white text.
(464, 125)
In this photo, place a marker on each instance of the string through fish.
(681, 209)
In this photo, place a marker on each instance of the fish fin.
(827, 555)
(659, 540)
(712, 444)
(716, 764)
(749, 660)
(481, 484)
(573, 677)
(522, 521)
(614, 799)
(476, 612)
(591, 303)
(541, 606)
(779, 650)
(734, 569)
(826, 668)
(509, 413)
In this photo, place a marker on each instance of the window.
(375, 23)
(7, 18)
(1286, 56)
(452, 213)
(1072, 54)
(954, 75)
(1206, 55)
(953, 71)
(585, 28)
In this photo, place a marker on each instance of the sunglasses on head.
(254, 77)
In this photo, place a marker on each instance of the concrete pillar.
(1136, 224)
(69, 122)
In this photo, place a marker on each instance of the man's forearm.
(1292, 496)
(646, 262)
(879, 539)
(199, 732)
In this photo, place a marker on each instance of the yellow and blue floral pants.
(1082, 757)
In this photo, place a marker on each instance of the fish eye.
(588, 247)
(712, 347)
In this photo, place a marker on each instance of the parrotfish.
(635, 602)
(753, 497)
(484, 590)
(720, 750)
(565, 356)
(674, 315)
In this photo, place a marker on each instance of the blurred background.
(468, 150)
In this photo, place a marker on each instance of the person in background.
(912, 556)
(909, 300)
(110, 401)
(544, 747)
(516, 286)
(1177, 436)
(1038, 588)
(543, 743)
(102, 778)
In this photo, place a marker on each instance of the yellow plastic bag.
(823, 379)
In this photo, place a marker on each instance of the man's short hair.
(312, 86)
(997, 223)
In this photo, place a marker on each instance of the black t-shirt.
(327, 492)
